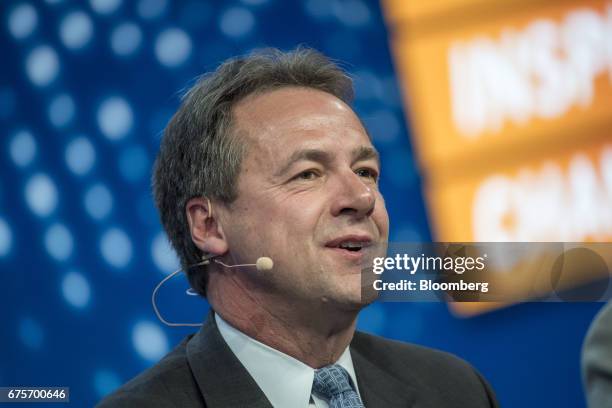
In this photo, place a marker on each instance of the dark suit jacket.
(202, 371)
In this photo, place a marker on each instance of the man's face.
(307, 190)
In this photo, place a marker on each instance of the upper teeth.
(350, 245)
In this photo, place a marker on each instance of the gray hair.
(200, 155)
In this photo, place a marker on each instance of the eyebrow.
(360, 153)
(366, 153)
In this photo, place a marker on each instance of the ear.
(206, 232)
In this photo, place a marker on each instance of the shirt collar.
(286, 381)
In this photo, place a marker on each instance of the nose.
(353, 197)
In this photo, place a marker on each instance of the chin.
(352, 305)
(353, 300)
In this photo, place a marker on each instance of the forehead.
(292, 116)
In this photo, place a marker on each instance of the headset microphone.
(263, 263)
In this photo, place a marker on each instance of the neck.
(315, 332)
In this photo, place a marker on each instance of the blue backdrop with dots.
(85, 91)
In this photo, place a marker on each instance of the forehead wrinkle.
(280, 107)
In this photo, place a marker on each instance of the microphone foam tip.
(264, 264)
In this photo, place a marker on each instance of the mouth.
(352, 246)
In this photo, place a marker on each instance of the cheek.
(381, 217)
(296, 215)
(290, 232)
(245, 228)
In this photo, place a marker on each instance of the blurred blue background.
(85, 91)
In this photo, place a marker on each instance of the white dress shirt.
(285, 381)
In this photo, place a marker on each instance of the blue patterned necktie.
(332, 383)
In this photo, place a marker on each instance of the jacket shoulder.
(432, 372)
(393, 353)
(169, 383)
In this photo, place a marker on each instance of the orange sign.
(484, 91)
(563, 197)
(511, 108)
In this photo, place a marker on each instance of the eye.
(367, 172)
(307, 175)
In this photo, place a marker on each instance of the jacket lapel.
(224, 382)
(222, 379)
(377, 387)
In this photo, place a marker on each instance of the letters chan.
(565, 198)
(489, 89)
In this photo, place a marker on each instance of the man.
(597, 360)
(265, 157)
